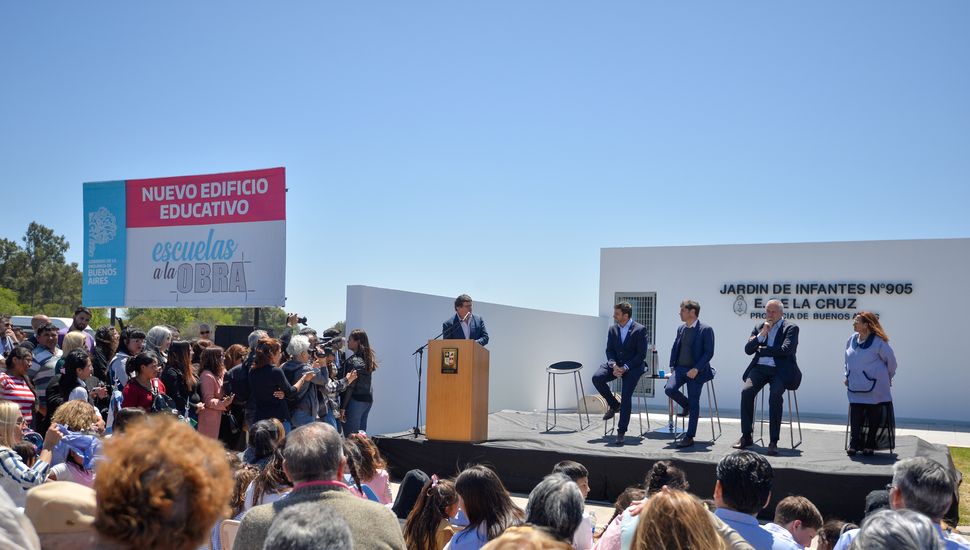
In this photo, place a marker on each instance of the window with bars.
(644, 312)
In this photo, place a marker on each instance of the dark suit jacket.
(476, 329)
(372, 525)
(702, 350)
(633, 351)
(783, 352)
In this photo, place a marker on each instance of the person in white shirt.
(797, 521)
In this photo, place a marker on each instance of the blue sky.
(518, 137)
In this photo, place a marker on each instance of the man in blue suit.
(464, 325)
(626, 349)
(690, 363)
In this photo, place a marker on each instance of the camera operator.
(306, 403)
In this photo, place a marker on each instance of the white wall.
(926, 328)
(523, 342)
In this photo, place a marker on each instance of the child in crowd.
(428, 526)
(583, 538)
(243, 475)
(372, 468)
(271, 484)
(620, 532)
(352, 476)
(487, 504)
(27, 452)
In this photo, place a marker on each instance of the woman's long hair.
(675, 520)
(870, 320)
(370, 457)
(422, 523)
(9, 411)
(211, 359)
(487, 503)
(352, 454)
(235, 355)
(180, 357)
(266, 349)
(264, 437)
(364, 351)
(241, 479)
(271, 479)
(73, 362)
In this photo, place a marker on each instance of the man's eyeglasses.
(203, 332)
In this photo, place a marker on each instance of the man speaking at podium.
(464, 325)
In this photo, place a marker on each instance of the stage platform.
(817, 469)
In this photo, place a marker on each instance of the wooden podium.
(457, 391)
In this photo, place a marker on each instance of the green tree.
(8, 302)
(48, 280)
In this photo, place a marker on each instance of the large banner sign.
(216, 240)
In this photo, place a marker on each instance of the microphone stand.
(416, 430)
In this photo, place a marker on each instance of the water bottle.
(535, 420)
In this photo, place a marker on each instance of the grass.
(961, 458)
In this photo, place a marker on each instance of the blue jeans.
(300, 418)
(691, 403)
(332, 420)
(357, 412)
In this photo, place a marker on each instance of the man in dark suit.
(464, 325)
(773, 344)
(314, 462)
(626, 349)
(690, 364)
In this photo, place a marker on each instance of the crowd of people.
(147, 440)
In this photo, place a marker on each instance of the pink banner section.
(233, 197)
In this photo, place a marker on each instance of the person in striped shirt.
(17, 478)
(15, 385)
(41, 371)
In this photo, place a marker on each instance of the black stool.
(792, 395)
(641, 401)
(713, 412)
(886, 434)
(553, 370)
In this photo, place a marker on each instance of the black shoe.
(610, 413)
(683, 413)
(772, 449)
(851, 451)
(619, 439)
(685, 442)
(868, 452)
(744, 442)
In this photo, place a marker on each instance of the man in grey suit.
(314, 462)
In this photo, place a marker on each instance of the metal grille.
(644, 312)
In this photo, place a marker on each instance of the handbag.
(162, 403)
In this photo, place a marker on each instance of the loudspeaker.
(227, 335)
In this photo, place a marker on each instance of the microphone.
(465, 318)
